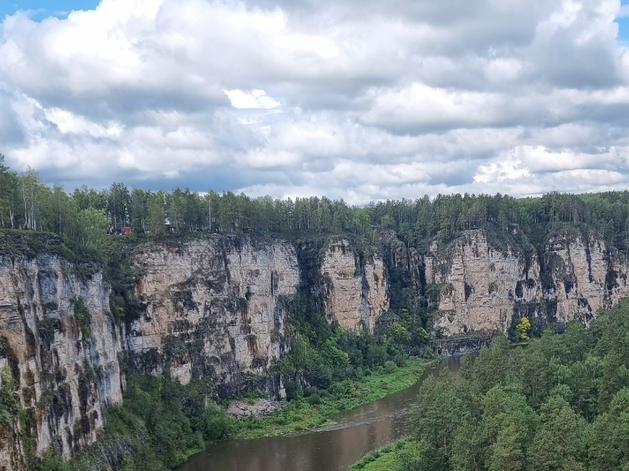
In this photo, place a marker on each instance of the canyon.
(217, 307)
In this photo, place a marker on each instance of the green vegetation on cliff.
(157, 427)
(81, 218)
(561, 403)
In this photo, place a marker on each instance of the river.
(332, 448)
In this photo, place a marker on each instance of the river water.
(332, 448)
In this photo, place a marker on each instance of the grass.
(383, 459)
(311, 413)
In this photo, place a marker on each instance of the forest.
(559, 403)
(84, 216)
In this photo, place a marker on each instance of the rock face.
(213, 308)
(480, 283)
(484, 288)
(253, 408)
(65, 374)
(356, 294)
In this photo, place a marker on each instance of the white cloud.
(623, 12)
(256, 99)
(68, 122)
(359, 100)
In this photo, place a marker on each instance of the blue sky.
(60, 8)
(45, 8)
(623, 34)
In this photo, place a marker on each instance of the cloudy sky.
(354, 99)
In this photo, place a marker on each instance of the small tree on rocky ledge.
(523, 329)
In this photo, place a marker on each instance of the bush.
(159, 425)
(294, 390)
(310, 390)
(389, 366)
(408, 457)
(321, 376)
(314, 399)
(215, 424)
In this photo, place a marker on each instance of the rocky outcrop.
(213, 308)
(254, 408)
(356, 287)
(481, 284)
(484, 288)
(65, 371)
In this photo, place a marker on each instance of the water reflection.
(329, 449)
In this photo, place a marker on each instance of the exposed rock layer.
(213, 308)
(483, 288)
(65, 377)
(356, 293)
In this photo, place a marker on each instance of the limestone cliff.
(65, 371)
(484, 288)
(356, 294)
(213, 307)
(480, 282)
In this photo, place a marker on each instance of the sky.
(360, 99)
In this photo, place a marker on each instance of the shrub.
(294, 390)
(314, 399)
(389, 366)
(310, 390)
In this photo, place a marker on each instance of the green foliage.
(521, 224)
(561, 403)
(8, 403)
(93, 227)
(83, 318)
(395, 457)
(523, 329)
(122, 276)
(315, 409)
(158, 426)
(322, 353)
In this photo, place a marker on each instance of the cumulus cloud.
(359, 100)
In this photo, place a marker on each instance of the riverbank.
(164, 422)
(387, 458)
(317, 409)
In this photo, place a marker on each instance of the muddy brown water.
(332, 448)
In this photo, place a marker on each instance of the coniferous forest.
(86, 214)
(560, 402)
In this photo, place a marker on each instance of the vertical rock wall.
(65, 377)
(480, 284)
(213, 308)
(483, 288)
(356, 294)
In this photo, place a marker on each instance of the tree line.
(86, 213)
